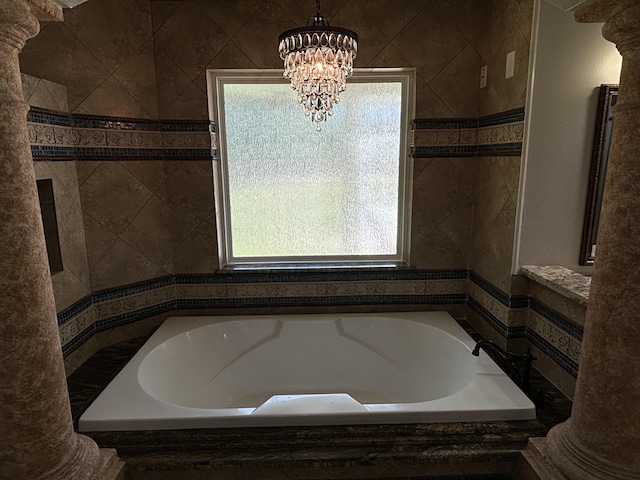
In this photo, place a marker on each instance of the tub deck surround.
(359, 446)
(319, 369)
(322, 446)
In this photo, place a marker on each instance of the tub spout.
(517, 366)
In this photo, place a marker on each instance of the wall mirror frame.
(597, 172)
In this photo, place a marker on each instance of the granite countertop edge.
(562, 280)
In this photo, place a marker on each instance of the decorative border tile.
(553, 333)
(501, 134)
(504, 330)
(444, 151)
(502, 150)
(118, 306)
(56, 136)
(511, 316)
(555, 336)
(425, 138)
(443, 123)
(556, 355)
(509, 116)
(557, 319)
(49, 117)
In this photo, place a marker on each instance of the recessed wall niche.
(50, 224)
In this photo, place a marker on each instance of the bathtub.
(321, 369)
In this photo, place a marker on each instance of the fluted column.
(38, 440)
(602, 437)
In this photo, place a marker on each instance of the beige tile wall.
(508, 28)
(146, 58)
(495, 200)
(126, 219)
(441, 39)
(103, 54)
(73, 283)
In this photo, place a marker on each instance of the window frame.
(217, 78)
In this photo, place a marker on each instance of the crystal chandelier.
(318, 59)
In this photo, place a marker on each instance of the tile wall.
(160, 50)
(62, 139)
(142, 59)
(508, 28)
(73, 283)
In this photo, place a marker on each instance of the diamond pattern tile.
(113, 196)
(93, 24)
(258, 37)
(190, 39)
(430, 41)
(148, 58)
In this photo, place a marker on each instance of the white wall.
(570, 62)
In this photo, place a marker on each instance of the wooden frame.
(597, 173)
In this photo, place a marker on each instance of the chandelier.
(317, 60)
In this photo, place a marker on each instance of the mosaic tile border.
(500, 134)
(504, 330)
(508, 116)
(557, 319)
(520, 316)
(515, 316)
(58, 136)
(508, 320)
(119, 306)
(568, 365)
(511, 301)
(443, 123)
(562, 342)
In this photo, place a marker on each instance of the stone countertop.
(572, 285)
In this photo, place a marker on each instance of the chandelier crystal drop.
(318, 59)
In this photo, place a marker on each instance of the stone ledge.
(568, 283)
(533, 465)
(112, 466)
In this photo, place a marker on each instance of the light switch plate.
(511, 64)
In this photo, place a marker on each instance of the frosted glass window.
(293, 194)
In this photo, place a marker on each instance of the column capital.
(46, 10)
(19, 20)
(621, 17)
(597, 11)
(17, 24)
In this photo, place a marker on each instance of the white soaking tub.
(323, 369)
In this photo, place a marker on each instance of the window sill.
(315, 267)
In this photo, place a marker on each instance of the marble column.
(38, 440)
(602, 438)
